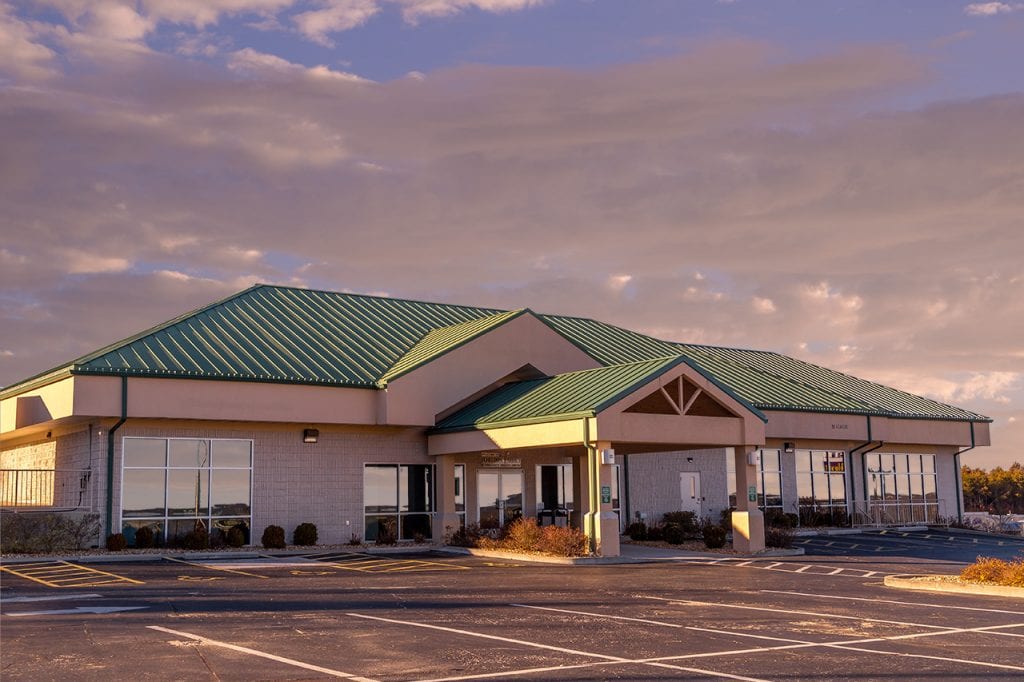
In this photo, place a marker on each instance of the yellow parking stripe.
(66, 574)
(215, 568)
(366, 563)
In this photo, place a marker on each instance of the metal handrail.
(47, 489)
(898, 512)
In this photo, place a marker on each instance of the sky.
(840, 181)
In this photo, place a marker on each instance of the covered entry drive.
(582, 426)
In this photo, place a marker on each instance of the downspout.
(864, 466)
(625, 485)
(110, 454)
(959, 479)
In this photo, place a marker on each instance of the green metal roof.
(437, 342)
(269, 333)
(283, 334)
(565, 396)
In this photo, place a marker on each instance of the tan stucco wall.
(72, 454)
(417, 397)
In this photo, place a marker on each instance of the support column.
(446, 520)
(747, 519)
(606, 525)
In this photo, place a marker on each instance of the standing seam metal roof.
(283, 334)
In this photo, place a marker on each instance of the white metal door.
(689, 492)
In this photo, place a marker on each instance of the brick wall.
(296, 482)
(654, 482)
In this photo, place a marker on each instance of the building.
(280, 406)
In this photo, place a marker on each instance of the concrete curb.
(605, 560)
(129, 557)
(937, 584)
(978, 533)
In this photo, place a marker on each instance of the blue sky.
(840, 181)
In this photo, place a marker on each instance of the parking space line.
(50, 597)
(79, 576)
(538, 645)
(798, 643)
(369, 563)
(262, 654)
(893, 601)
(689, 602)
(848, 644)
(599, 615)
(214, 568)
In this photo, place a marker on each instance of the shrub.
(995, 572)
(355, 540)
(524, 535)
(776, 518)
(674, 534)
(714, 537)
(387, 532)
(116, 542)
(47, 532)
(465, 536)
(273, 537)
(637, 531)
(563, 541)
(144, 538)
(196, 539)
(726, 519)
(304, 535)
(235, 537)
(686, 520)
(781, 537)
(655, 533)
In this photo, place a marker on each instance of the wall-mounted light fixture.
(310, 435)
(788, 447)
(689, 460)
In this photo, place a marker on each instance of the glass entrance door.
(500, 498)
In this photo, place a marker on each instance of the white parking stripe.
(598, 615)
(799, 643)
(261, 654)
(848, 645)
(616, 659)
(893, 601)
(58, 597)
(686, 602)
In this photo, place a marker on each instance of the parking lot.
(436, 616)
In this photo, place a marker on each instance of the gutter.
(110, 454)
(959, 478)
(864, 467)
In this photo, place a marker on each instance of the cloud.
(990, 9)
(335, 16)
(265, 66)
(22, 54)
(725, 181)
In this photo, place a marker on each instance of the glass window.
(907, 483)
(380, 488)
(173, 485)
(821, 487)
(145, 452)
(188, 453)
(401, 496)
(188, 492)
(143, 493)
(232, 454)
(554, 486)
(230, 492)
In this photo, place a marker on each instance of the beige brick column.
(747, 519)
(606, 525)
(446, 520)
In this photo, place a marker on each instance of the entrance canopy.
(649, 406)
